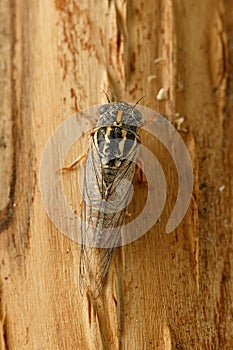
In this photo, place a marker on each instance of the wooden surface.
(163, 291)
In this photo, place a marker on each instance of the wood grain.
(163, 291)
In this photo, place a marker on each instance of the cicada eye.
(104, 108)
(137, 115)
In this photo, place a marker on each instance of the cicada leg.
(139, 172)
(74, 163)
(128, 214)
(146, 122)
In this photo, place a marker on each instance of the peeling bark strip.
(16, 154)
(3, 332)
(7, 174)
(163, 291)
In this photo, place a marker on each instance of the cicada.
(109, 174)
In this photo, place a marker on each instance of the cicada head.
(121, 114)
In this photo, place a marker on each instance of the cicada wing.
(106, 195)
(94, 265)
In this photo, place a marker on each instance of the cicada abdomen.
(107, 190)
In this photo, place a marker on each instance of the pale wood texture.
(163, 291)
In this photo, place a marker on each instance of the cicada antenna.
(138, 101)
(106, 96)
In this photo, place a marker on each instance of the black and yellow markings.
(119, 116)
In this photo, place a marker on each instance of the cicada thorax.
(116, 135)
(115, 145)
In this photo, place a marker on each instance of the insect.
(109, 173)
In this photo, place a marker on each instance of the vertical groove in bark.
(7, 180)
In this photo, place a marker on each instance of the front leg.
(74, 163)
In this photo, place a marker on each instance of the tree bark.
(163, 291)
